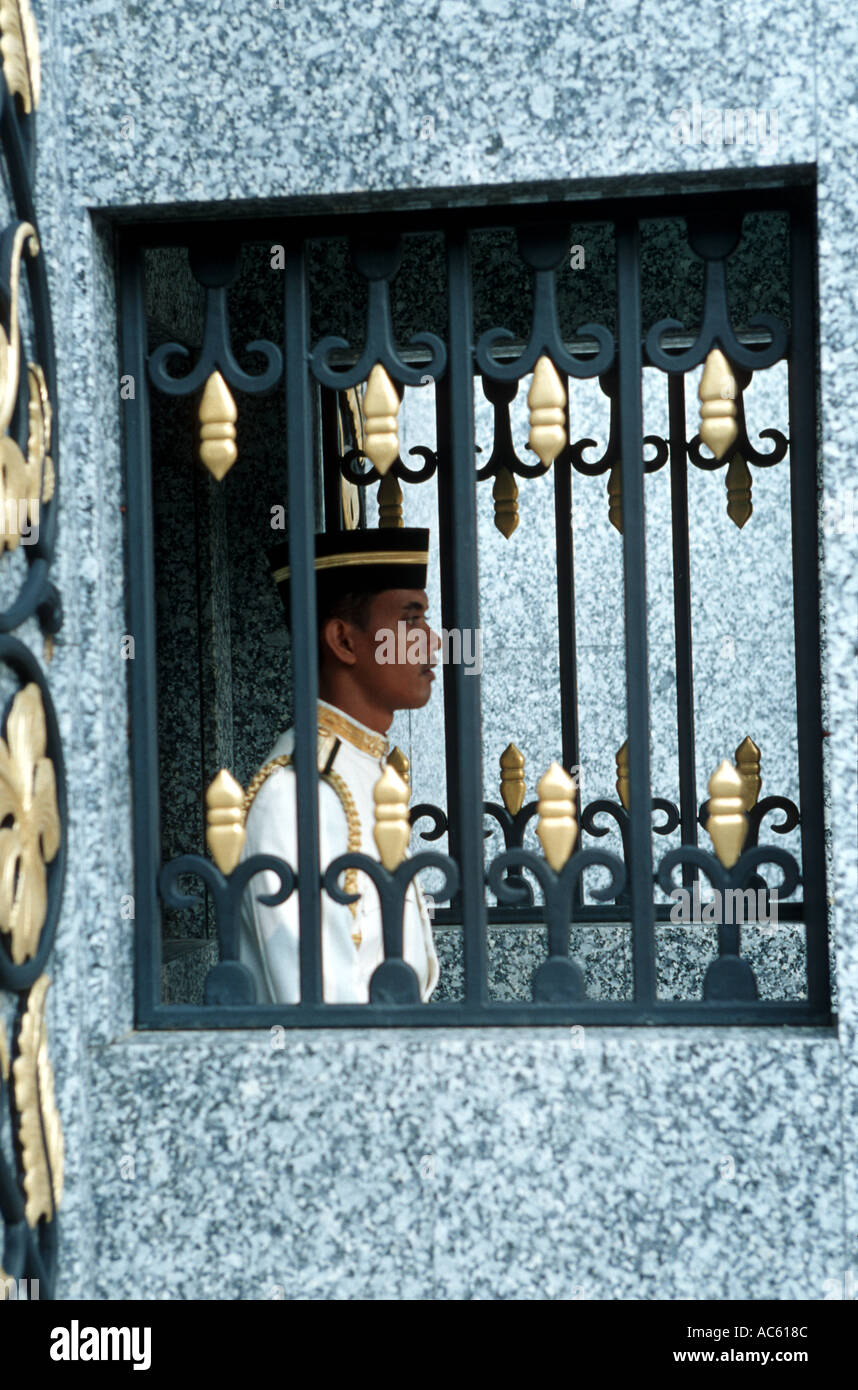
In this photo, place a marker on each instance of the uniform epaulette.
(326, 745)
(327, 748)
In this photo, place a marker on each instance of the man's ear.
(338, 639)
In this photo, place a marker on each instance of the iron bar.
(143, 696)
(457, 514)
(567, 639)
(331, 479)
(683, 636)
(802, 453)
(500, 1013)
(639, 870)
(300, 477)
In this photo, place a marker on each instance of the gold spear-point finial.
(512, 784)
(615, 496)
(727, 824)
(547, 400)
(739, 481)
(398, 761)
(748, 759)
(622, 756)
(380, 410)
(389, 502)
(717, 394)
(505, 494)
(217, 416)
(225, 820)
(557, 826)
(392, 830)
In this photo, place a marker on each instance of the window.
(661, 631)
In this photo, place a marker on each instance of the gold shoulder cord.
(348, 804)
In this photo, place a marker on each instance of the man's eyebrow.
(414, 606)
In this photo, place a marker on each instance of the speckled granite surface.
(547, 1164)
(777, 958)
(494, 1163)
(837, 129)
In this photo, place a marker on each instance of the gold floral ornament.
(24, 482)
(40, 1132)
(39, 439)
(28, 795)
(19, 46)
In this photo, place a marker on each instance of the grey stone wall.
(598, 1163)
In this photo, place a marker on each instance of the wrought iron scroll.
(543, 248)
(742, 445)
(229, 981)
(32, 778)
(715, 240)
(559, 979)
(730, 977)
(215, 266)
(376, 257)
(609, 383)
(394, 981)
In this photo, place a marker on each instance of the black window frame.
(303, 370)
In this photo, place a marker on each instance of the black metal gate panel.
(307, 372)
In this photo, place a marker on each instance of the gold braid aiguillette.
(348, 804)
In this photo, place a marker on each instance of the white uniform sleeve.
(271, 829)
(433, 970)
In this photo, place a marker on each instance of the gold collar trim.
(332, 721)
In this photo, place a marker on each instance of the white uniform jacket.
(269, 935)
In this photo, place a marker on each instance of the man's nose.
(434, 641)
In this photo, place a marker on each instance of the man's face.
(397, 651)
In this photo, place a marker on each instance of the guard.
(367, 583)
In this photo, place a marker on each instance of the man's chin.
(417, 698)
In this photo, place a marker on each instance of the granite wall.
(489, 1163)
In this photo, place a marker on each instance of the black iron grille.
(461, 350)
